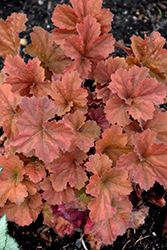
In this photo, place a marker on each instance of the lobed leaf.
(49, 53)
(9, 111)
(113, 143)
(9, 30)
(24, 213)
(85, 133)
(11, 186)
(68, 169)
(35, 132)
(52, 196)
(147, 163)
(88, 47)
(149, 53)
(66, 18)
(68, 94)
(106, 183)
(26, 79)
(136, 95)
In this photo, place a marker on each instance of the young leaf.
(26, 79)
(66, 18)
(88, 48)
(9, 29)
(68, 169)
(11, 186)
(9, 111)
(113, 143)
(136, 95)
(106, 183)
(36, 132)
(148, 162)
(50, 54)
(85, 133)
(68, 94)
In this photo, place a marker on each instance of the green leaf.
(6, 241)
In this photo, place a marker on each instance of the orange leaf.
(148, 162)
(35, 132)
(50, 54)
(68, 94)
(52, 196)
(108, 229)
(9, 38)
(136, 95)
(88, 48)
(85, 133)
(113, 143)
(104, 69)
(24, 213)
(11, 186)
(149, 53)
(26, 79)
(68, 169)
(105, 184)
(9, 111)
(66, 18)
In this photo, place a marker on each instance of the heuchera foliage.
(83, 128)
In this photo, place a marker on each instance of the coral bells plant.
(83, 129)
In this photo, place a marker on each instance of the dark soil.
(131, 17)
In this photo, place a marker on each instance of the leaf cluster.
(82, 127)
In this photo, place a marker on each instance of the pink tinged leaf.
(108, 229)
(52, 196)
(88, 48)
(35, 169)
(85, 133)
(35, 132)
(25, 213)
(9, 111)
(105, 184)
(113, 143)
(9, 29)
(68, 94)
(68, 169)
(148, 162)
(26, 79)
(11, 186)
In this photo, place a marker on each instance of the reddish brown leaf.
(52, 196)
(35, 132)
(9, 30)
(88, 48)
(113, 143)
(50, 54)
(105, 184)
(24, 213)
(68, 94)
(136, 95)
(66, 18)
(26, 79)
(11, 186)
(68, 169)
(85, 133)
(9, 111)
(148, 162)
